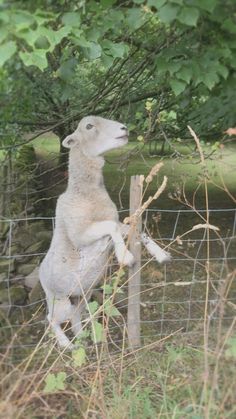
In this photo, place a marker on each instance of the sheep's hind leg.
(76, 324)
(77, 309)
(60, 311)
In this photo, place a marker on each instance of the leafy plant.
(55, 382)
(230, 352)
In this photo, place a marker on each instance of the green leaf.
(229, 26)
(94, 51)
(135, 18)
(6, 51)
(32, 37)
(84, 334)
(3, 34)
(208, 5)
(173, 66)
(156, 3)
(188, 16)
(210, 79)
(222, 70)
(37, 58)
(55, 382)
(107, 3)
(107, 60)
(177, 86)
(61, 376)
(110, 309)
(80, 39)
(93, 306)
(22, 19)
(79, 356)
(67, 69)
(108, 289)
(116, 276)
(185, 74)
(54, 37)
(42, 43)
(168, 13)
(43, 17)
(162, 65)
(4, 16)
(71, 19)
(93, 35)
(121, 48)
(97, 332)
(231, 350)
(116, 50)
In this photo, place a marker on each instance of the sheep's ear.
(69, 141)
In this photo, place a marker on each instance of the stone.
(45, 237)
(36, 293)
(32, 278)
(34, 248)
(3, 276)
(7, 265)
(26, 269)
(13, 295)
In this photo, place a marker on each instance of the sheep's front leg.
(101, 229)
(156, 251)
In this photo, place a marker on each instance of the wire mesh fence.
(172, 296)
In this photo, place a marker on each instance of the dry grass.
(173, 376)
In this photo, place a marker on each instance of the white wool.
(87, 227)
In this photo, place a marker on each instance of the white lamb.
(87, 223)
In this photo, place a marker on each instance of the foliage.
(67, 59)
(231, 350)
(55, 382)
(79, 356)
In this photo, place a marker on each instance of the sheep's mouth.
(122, 137)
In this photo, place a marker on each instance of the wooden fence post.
(134, 272)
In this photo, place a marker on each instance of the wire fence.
(172, 296)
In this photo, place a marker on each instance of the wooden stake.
(134, 272)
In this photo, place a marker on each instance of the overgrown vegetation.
(157, 65)
(67, 60)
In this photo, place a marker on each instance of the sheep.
(86, 227)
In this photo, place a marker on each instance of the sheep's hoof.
(166, 258)
(66, 346)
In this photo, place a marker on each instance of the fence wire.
(172, 296)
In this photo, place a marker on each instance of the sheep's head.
(96, 135)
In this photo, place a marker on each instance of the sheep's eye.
(89, 126)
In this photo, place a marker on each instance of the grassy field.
(184, 170)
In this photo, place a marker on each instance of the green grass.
(47, 145)
(180, 171)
